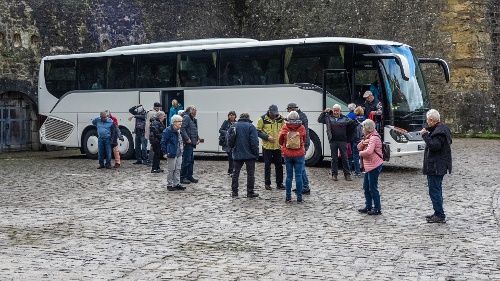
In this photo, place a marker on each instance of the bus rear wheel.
(126, 147)
(314, 154)
(90, 144)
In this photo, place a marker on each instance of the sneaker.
(180, 187)
(374, 212)
(268, 187)
(288, 200)
(358, 175)
(348, 177)
(436, 219)
(137, 162)
(170, 188)
(147, 162)
(281, 186)
(429, 216)
(193, 180)
(252, 195)
(300, 201)
(156, 171)
(335, 178)
(108, 167)
(100, 167)
(306, 192)
(116, 166)
(365, 210)
(234, 194)
(185, 181)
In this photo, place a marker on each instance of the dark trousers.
(231, 162)
(187, 166)
(156, 148)
(273, 156)
(436, 194)
(335, 147)
(250, 166)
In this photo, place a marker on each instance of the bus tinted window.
(197, 69)
(92, 74)
(60, 76)
(121, 72)
(156, 70)
(305, 63)
(250, 66)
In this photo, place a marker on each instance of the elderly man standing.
(189, 133)
(105, 130)
(268, 128)
(150, 115)
(337, 126)
(373, 109)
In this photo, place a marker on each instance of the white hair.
(160, 114)
(368, 125)
(433, 115)
(292, 115)
(337, 106)
(351, 106)
(176, 118)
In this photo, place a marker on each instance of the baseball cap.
(157, 104)
(291, 105)
(367, 94)
(274, 109)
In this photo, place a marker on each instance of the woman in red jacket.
(291, 139)
(370, 151)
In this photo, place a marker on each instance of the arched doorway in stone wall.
(18, 123)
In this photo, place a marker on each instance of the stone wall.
(465, 33)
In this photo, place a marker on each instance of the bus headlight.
(399, 136)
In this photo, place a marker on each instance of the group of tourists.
(284, 139)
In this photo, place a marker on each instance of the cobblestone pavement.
(62, 219)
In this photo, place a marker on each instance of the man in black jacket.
(189, 133)
(141, 142)
(337, 127)
(437, 162)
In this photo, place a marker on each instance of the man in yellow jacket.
(268, 129)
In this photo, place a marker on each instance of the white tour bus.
(244, 75)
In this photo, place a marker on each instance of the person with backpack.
(359, 136)
(231, 119)
(371, 160)
(141, 142)
(292, 139)
(242, 137)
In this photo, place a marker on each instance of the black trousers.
(250, 166)
(156, 156)
(269, 157)
(335, 147)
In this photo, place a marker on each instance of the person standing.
(437, 162)
(172, 149)
(155, 136)
(246, 151)
(105, 130)
(268, 128)
(174, 110)
(358, 137)
(150, 115)
(373, 109)
(292, 138)
(114, 140)
(231, 119)
(292, 106)
(337, 126)
(371, 159)
(190, 137)
(141, 143)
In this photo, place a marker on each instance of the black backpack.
(386, 151)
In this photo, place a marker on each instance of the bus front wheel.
(314, 154)
(90, 144)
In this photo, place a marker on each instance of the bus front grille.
(55, 129)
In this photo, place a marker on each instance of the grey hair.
(337, 106)
(245, 115)
(105, 112)
(351, 106)
(176, 118)
(160, 114)
(433, 115)
(292, 115)
(190, 109)
(368, 125)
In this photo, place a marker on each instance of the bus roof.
(215, 44)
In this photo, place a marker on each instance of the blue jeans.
(370, 186)
(354, 165)
(141, 148)
(305, 179)
(187, 162)
(436, 194)
(294, 164)
(104, 148)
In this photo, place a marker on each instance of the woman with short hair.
(370, 151)
(231, 119)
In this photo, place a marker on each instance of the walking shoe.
(170, 188)
(281, 186)
(234, 194)
(137, 162)
(335, 178)
(193, 180)
(436, 219)
(156, 171)
(306, 192)
(358, 175)
(252, 195)
(288, 200)
(429, 216)
(365, 210)
(268, 187)
(147, 162)
(185, 181)
(100, 167)
(348, 177)
(108, 167)
(179, 187)
(116, 165)
(300, 201)
(374, 212)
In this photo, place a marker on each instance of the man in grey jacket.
(189, 133)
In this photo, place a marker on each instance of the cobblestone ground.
(62, 219)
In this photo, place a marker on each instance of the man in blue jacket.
(246, 151)
(105, 128)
